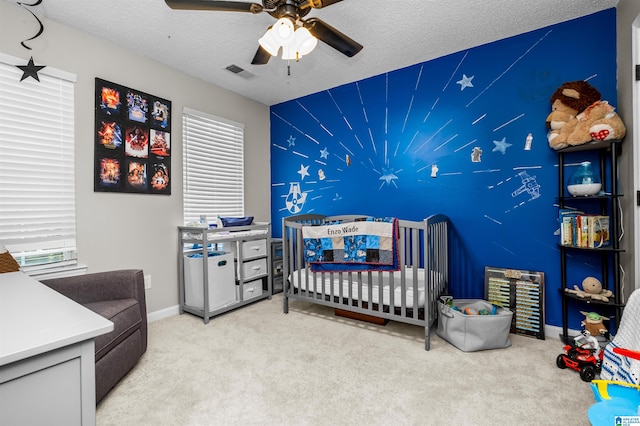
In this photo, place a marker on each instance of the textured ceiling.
(395, 34)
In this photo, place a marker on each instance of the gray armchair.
(119, 297)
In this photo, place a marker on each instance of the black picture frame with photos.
(132, 140)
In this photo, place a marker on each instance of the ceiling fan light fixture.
(269, 43)
(289, 53)
(283, 31)
(304, 42)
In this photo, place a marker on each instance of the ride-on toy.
(615, 399)
(583, 355)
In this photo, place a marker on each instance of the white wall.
(132, 230)
(628, 12)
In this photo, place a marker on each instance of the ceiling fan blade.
(334, 38)
(317, 4)
(224, 6)
(261, 57)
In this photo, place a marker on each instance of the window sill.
(57, 272)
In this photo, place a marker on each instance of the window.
(37, 181)
(213, 166)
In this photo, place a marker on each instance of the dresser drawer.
(250, 290)
(250, 249)
(254, 248)
(254, 268)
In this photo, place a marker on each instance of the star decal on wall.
(292, 141)
(465, 82)
(30, 70)
(501, 146)
(324, 153)
(304, 171)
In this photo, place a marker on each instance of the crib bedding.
(362, 245)
(335, 282)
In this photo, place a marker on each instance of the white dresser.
(47, 356)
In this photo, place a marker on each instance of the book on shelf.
(598, 231)
(568, 229)
(578, 229)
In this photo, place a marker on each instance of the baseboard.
(554, 332)
(163, 313)
(550, 331)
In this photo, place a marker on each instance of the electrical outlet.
(147, 282)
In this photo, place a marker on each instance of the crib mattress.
(391, 282)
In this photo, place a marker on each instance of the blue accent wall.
(462, 135)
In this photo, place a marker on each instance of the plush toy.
(567, 101)
(591, 289)
(594, 323)
(598, 122)
(586, 340)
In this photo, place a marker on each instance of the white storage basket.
(471, 333)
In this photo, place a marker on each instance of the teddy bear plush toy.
(591, 289)
(598, 122)
(567, 101)
(579, 116)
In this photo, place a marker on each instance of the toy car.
(585, 358)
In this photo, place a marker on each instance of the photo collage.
(132, 141)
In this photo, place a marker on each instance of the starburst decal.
(388, 176)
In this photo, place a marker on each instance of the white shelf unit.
(250, 246)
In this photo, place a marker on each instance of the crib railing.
(422, 249)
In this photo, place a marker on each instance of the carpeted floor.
(258, 366)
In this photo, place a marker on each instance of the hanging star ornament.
(30, 70)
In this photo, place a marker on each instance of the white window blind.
(37, 179)
(213, 166)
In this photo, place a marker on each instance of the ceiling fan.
(289, 14)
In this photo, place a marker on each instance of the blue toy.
(614, 399)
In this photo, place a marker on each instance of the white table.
(47, 355)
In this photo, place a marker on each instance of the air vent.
(235, 69)
(239, 71)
